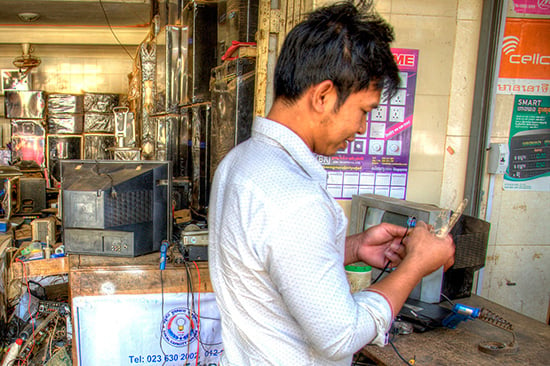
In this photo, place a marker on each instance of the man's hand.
(376, 246)
(427, 250)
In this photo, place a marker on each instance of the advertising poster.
(378, 161)
(525, 58)
(532, 7)
(147, 329)
(529, 162)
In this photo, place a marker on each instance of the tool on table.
(462, 312)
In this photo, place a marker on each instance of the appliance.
(115, 208)
(29, 104)
(200, 124)
(169, 76)
(199, 16)
(232, 89)
(369, 209)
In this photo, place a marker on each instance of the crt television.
(115, 207)
(371, 209)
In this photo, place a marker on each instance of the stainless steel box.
(232, 89)
(100, 102)
(169, 75)
(28, 104)
(28, 141)
(62, 147)
(200, 17)
(99, 122)
(65, 123)
(65, 103)
(96, 146)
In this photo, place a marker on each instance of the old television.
(370, 209)
(115, 208)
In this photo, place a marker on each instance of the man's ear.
(322, 96)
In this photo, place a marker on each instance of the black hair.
(344, 43)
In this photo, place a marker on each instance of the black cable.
(411, 222)
(162, 315)
(111, 29)
(399, 354)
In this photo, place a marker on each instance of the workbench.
(459, 346)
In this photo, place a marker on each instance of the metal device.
(462, 313)
(194, 244)
(115, 208)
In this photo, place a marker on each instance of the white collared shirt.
(276, 254)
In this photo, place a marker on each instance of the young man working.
(278, 241)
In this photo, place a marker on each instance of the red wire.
(29, 308)
(199, 314)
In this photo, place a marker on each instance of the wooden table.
(459, 346)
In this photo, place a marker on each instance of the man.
(277, 238)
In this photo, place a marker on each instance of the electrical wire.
(411, 222)
(28, 309)
(198, 313)
(162, 316)
(410, 362)
(112, 31)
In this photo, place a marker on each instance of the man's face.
(340, 127)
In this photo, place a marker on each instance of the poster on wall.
(378, 161)
(529, 145)
(539, 7)
(147, 329)
(525, 57)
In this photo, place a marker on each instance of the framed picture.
(14, 79)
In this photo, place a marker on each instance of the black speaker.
(200, 19)
(31, 199)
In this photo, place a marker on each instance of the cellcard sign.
(529, 162)
(525, 57)
(378, 161)
(150, 329)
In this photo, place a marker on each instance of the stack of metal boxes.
(26, 111)
(65, 116)
(99, 124)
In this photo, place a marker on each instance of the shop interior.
(115, 114)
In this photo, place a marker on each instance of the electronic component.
(194, 245)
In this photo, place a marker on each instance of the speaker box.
(31, 196)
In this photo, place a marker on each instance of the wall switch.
(497, 162)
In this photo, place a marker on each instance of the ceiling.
(120, 13)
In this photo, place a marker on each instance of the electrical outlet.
(393, 147)
(400, 97)
(397, 114)
(359, 147)
(376, 147)
(379, 114)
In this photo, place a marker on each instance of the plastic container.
(359, 276)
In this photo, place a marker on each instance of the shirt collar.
(293, 145)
